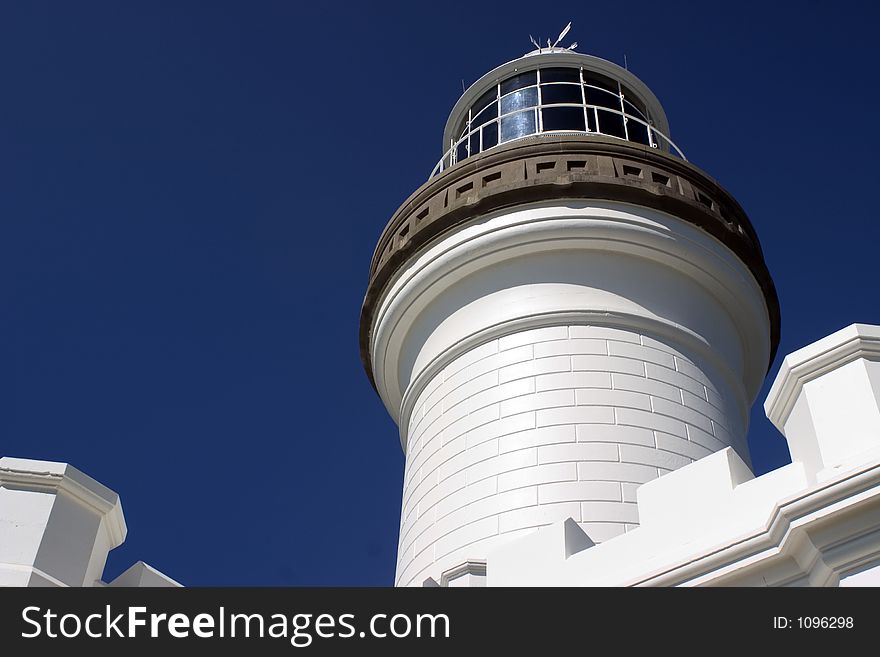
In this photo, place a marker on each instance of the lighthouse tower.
(565, 310)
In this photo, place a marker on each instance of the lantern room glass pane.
(518, 125)
(519, 100)
(552, 94)
(633, 110)
(490, 135)
(560, 75)
(487, 114)
(602, 98)
(475, 142)
(485, 100)
(562, 118)
(637, 131)
(611, 124)
(526, 79)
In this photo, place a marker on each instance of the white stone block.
(504, 391)
(579, 490)
(616, 398)
(506, 428)
(639, 352)
(628, 492)
(683, 413)
(610, 471)
(692, 491)
(608, 364)
(704, 439)
(496, 465)
(598, 511)
(702, 406)
(533, 336)
(614, 433)
(471, 421)
(466, 535)
(600, 532)
(564, 433)
(535, 367)
(464, 495)
(572, 380)
(579, 452)
(537, 401)
(453, 381)
(649, 420)
(423, 423)
(666, 347)
(690, 370)
(826, 399)
(470, 357)
(672, 377)
(715, 399)
(410, 503)
(468, 389)
(575, 415)
(412, 539)
(531, 555)
(501, 359)
(676, 445)
(450, 416)
(464, 460)
(538, 474)
(408, 571)
(652, 456)
(449, 491)
(537, 516)
(646, 386)
(485, 507)
(424, 450)
(450, 448)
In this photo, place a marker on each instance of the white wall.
(547, 424)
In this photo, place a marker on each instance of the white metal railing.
(656, 139)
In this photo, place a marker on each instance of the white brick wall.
(546, 424)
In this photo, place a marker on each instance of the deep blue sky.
(191, 193)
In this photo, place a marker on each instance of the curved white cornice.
(480, 281)
(804, 365)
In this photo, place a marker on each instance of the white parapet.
(57, 526)
(774, 530)
(826, 400)
(814, 522)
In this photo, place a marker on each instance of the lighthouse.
(566, 310)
